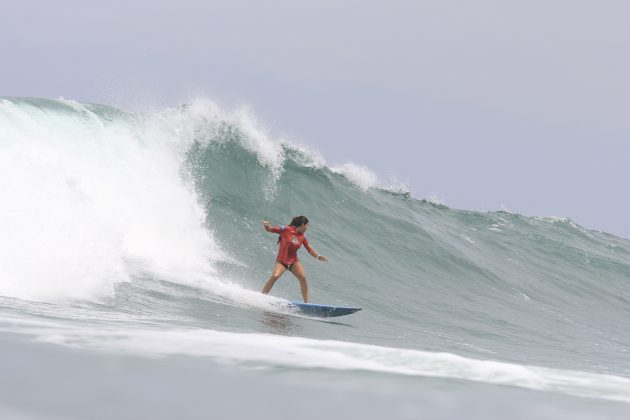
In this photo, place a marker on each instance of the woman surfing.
(290, 240)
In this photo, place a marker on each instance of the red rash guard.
(290, 241)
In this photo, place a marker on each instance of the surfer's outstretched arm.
(314, 253)
(273, 229)
(270, 228)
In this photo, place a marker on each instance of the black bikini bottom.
(287, 266)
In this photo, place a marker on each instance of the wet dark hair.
(298, 221)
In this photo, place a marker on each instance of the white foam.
(359, 175)
(397, 186)
(436, 200)
(305, 155)
(295, 352)
(256, 139)
(556, 219)
(87, 205)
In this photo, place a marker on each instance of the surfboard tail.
(321, 311)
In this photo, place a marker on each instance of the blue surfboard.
(322, 311)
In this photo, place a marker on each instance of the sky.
(483, 105)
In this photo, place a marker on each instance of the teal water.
(141, 233)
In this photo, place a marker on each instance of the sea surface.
(132, 250)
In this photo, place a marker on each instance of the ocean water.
(139, 235)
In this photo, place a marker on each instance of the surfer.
(290, 240)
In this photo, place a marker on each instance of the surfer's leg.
(278, 269)
(298, 271)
